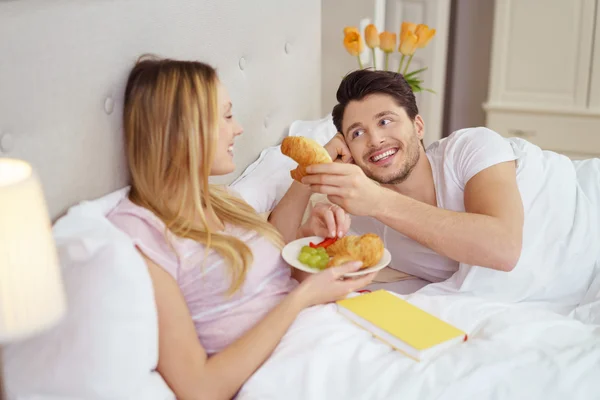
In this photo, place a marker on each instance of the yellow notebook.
(402, 325)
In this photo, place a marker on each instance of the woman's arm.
(183, 362)
(287, 214)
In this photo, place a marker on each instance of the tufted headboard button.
(242, 63)
(6, 142)
(109, 105)
(288, 48)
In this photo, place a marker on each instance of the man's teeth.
(384, 155)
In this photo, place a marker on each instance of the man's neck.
(420, 184)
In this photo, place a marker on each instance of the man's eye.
(385, 121)
(356, 133)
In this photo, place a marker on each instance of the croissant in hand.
(305, 152)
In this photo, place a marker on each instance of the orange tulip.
(407, 27)
(349, 29)
(408, 43)
(424, 34)
(387, 41)
(372, 36)
(353, 43)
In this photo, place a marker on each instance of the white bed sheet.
(405, 286)
(514, 351)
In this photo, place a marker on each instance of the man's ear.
(420, 127)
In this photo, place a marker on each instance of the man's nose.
(376, 139)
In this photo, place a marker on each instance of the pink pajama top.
(219, 319)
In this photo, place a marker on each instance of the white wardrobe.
(545, 74)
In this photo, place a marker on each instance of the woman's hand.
(329, 285)
(326, 220)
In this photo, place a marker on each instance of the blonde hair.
(171, 125)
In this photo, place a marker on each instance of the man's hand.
(338, 149)
(345, 185)
(326, 220)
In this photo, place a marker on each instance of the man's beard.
(412, 155)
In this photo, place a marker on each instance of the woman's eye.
(229, 116)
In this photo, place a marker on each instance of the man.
(499, 216)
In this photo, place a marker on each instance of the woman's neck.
(213, 222)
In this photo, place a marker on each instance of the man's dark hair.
(361, 83)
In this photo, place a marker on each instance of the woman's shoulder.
(133, 218)
(148, 233)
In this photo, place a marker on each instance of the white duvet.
(535, 334)
(514, 352)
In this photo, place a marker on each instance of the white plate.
(291, 251)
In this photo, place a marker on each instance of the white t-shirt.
(560, 228)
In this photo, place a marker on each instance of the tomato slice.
(325, 243)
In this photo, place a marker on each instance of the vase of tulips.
(412, 38)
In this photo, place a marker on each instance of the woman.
(224, 296)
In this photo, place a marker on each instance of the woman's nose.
(238, 129)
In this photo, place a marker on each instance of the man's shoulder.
(478, 133)
(467, 137)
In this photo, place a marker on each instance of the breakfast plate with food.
(314, 254)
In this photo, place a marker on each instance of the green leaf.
(413, 81)
(416, 87)
(413, 73)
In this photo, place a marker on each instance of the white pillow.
(106, 347)
(265, 181)
(321, 130)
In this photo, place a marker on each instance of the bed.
(63, 64)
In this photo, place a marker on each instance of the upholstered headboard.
(63, 65)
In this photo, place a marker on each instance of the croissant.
(305, 152)
(367, 248)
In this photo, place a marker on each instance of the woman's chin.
(222, 169)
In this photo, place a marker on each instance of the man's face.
(382, 139)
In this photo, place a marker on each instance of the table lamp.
(32, 298)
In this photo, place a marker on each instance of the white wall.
(335, 60)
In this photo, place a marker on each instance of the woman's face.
(229, 128)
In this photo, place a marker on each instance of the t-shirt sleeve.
(470, 151)
(234, 192)
(149, 239)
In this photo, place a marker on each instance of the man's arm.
(488, 234)
(287, 214)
